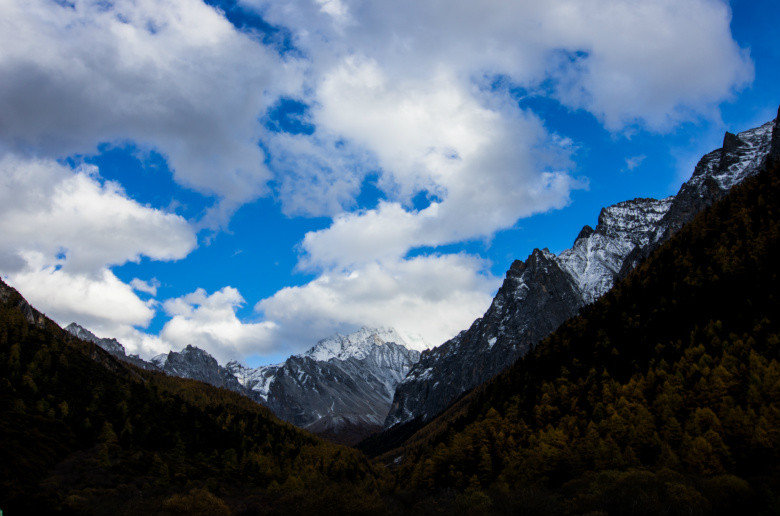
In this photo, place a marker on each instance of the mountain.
(741, 156)
(340, 389)
(542, 292)
(193, 362)
(111, 345)
(84, 432)
(662, 397)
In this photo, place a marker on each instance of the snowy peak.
(543, 291)
(598, 255)
(256, 380)
(354, 345)
(341, 388)
(632, 221)
(742, 154)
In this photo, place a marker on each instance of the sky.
(250, 176)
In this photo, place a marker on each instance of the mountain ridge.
(659, 398)
(340, 388)
(545, 290)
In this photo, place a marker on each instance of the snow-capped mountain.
(541, 293)
(355, 345)
(340, 388)
(741, 156)
(256, 381)
(597, 255)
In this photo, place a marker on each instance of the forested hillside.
(663, 397)
(84, 433)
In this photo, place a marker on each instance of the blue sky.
(249, 176)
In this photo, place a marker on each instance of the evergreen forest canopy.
(663, 397)
(85, 433)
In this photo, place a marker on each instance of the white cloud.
(173, 75)
(63, 228)
(430, 298)
(654, 62)
(98, 301)
(95, 300)
(148, 287)
(76, 222)
(415, 93)
(429, 100)
(317, 175)
(210, 322)
(485, 166)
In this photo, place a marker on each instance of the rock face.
(543, 291)
(10, 295)
(341, 388)
(111, 345)
(741, 156)
(192, 362)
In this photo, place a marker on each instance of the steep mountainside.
(82, 432)
(341, 388)
(192, 362)
(545, 290)
(662, 397)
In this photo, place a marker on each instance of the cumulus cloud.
(317, 175)
(421, 96)
(63, 228)
(99, 300)
(79, 223)
(652, 63)
(484, 166)
(210, 322)
(428, 298)
(655, 63)
(431, 101)
(428, 90)
(175, 76)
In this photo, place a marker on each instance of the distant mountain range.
(82, 431)
(340, 389)
(659, 397)
(545, 290)
(347, 387)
